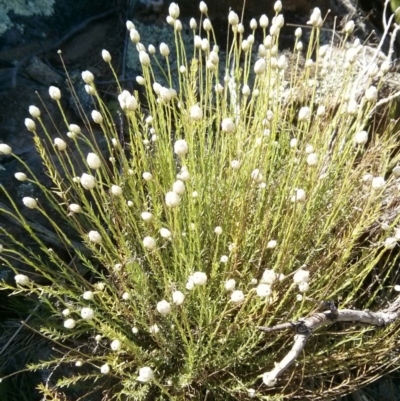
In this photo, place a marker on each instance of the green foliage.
(275, 159)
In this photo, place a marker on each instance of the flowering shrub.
(233, 200)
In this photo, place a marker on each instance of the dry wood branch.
(304, 327)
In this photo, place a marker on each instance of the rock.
(42, 73)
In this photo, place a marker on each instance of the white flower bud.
(272, 244)
(256, 175)
(54, 93)
(300, 195)
(385, 66)
(207, 25)
(352, 107)
(60, 144)
(299, 46)
(304, 114)
(181, 147)
(97, 117)
(303, 287)
(320, 111)
(278, 6)
(5, 149)
(87, 77)
(246, 90)
(21, 279)
(88, 295)
(260, 66)
(20, 176)
(149, 243)
(134, 35)
(371, 94)
(170, 20)
(235, 164)
(144, 58)
(390, 243)
(193, 23)
(218, 230)
(253, 24)
(179, 187)
(228, 125)
(264, 21)
(178, 297)
(263, 290)
(115, 345)
(163, 307)
(378, 183)
(106, 55)
(69, 323)
(268, 277)
(165, 233)
(199, 278)
(30, 124)
(312, 159)
(74, 208)
(213, 57)
(224, 259)
(116, 190)
(93, 161)
(66, 312)
(172, 199)
(105, 369)
(146, 216)
(126, 296)
(94, 236)
(396, 171)
(173, 10)
(298, 32)
(178, 26)
(230, 284)
(130, 25)
(245, 45)
(164, 49)
(205, 45)
(87, 313)
(301, 276)
(74, 129)
(237, 297)
(34, 112)
(127, 101)
(140, 80)
(146, 374)
(361, 138)
(197, 41)
(87, 181)
(29, 202)
(147, 176)
(196, 113)
(349, 27)
(233, 18)
(203, 7)
(315, 19)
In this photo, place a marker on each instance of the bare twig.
(304, 327)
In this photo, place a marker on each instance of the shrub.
(243, 191)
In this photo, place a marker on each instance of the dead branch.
(304, 327)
